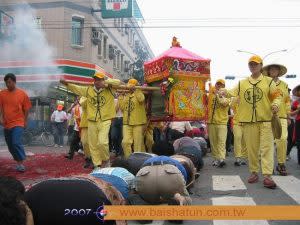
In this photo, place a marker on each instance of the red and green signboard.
(35, 72)
(116, 9)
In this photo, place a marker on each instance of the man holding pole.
(134, 118)
(100, 112)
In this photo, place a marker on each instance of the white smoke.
(28, 43)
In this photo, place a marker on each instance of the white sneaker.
(55, 146)
(61, 146)
(81, 152)
(215, 163)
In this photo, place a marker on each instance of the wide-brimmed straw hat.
(282, 68)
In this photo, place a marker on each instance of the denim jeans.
(116, 135)
(13, 138)
(59, 133)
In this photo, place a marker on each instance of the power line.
(58, 22)
(181, 27)
(49, 27)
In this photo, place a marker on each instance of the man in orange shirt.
(14, 108)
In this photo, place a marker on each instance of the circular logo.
(102, 101)
(98, 100)
(253, 95)
(130, 107)
(101, 213)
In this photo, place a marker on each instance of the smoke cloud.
(28, 43)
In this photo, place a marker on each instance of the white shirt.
(119, 112)
(181, 126)
(59, 116)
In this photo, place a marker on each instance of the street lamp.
(246, 52)
(271, 53)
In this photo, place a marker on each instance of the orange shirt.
(14, 105)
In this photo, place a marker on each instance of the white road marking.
(290, 185)
(227, 183)
(230, 200)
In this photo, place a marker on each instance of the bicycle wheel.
(27, 138)
(47, 139)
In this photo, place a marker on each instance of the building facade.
(82, 42)
(76, 31)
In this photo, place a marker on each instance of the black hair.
(193, 158)
(10, 76)
(12, 184)
(12, 211)
(276, 66)
(163, 148)
(120, 162)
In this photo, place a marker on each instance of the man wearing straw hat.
(100, 112)
(134, 118)
(275, 71)
(217, 123)
(256, 109)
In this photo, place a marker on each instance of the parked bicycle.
(38, 135)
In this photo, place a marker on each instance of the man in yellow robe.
(134, 119)
(100, 112)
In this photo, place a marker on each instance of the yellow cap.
(256, 59)
(99, 75)
(132, 82)
(220, 81)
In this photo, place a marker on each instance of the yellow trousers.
(259, 141)
(98, 141)
(240, 150)
(149, 139)
(133, 134)
(217, 136)
(281, 143)
(84, 141)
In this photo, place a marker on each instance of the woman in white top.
(58, 117)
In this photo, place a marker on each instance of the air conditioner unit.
(97, 36)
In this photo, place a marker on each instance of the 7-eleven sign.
(116, 5)
(116, 8)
